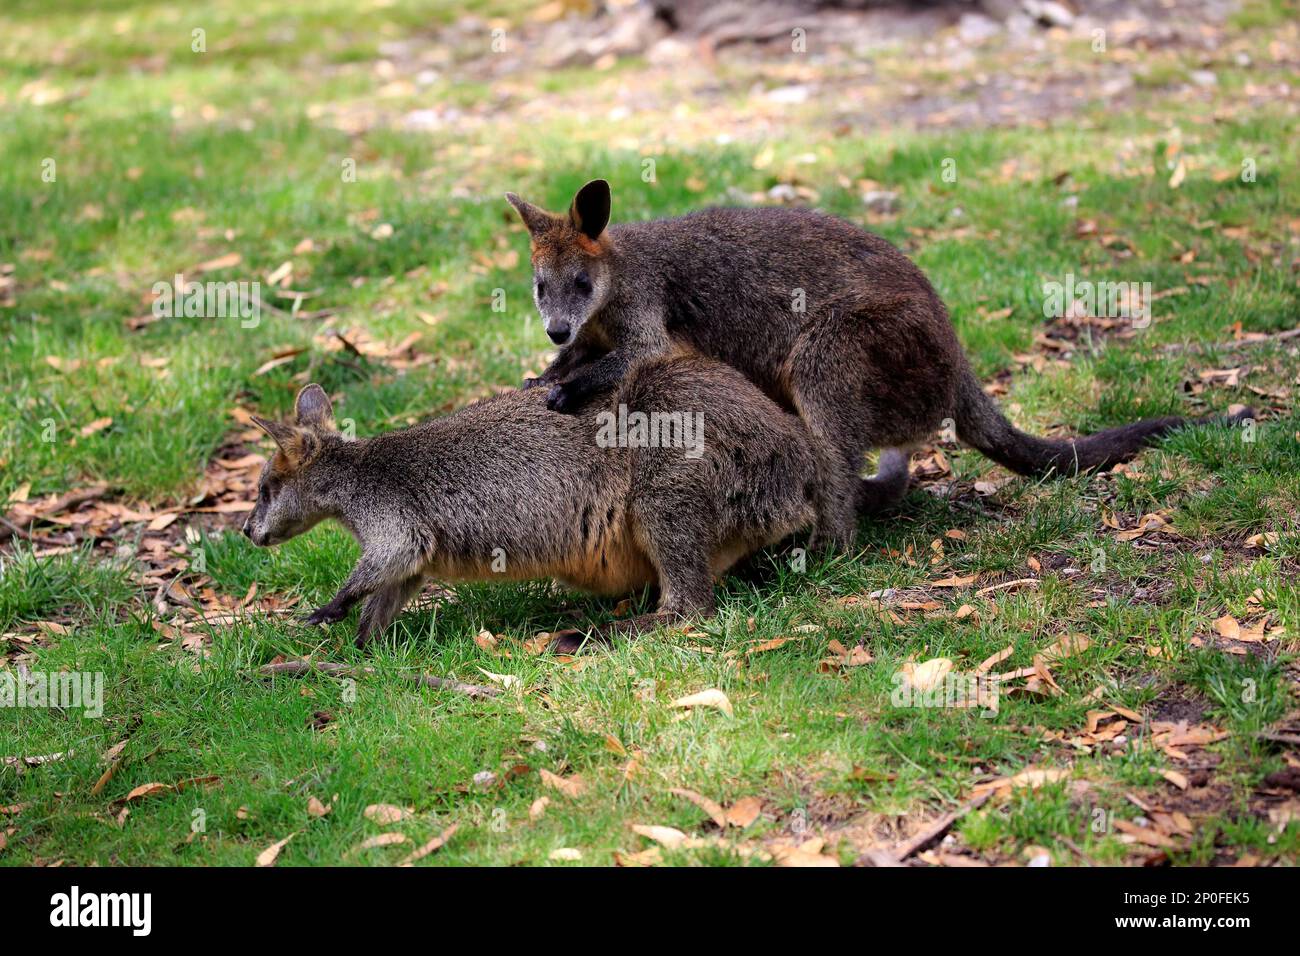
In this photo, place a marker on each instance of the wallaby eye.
(541, 289)
(582, 282)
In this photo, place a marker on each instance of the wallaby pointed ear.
(282, 433)
(590, 210)
(297, 445)
(313, 408)
(535, 219)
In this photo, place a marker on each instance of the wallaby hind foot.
(603, 635)
(572, 641)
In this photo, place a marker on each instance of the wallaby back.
(567, 496)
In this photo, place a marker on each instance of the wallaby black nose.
(248, 532)
(559, 335)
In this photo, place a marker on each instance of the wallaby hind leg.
(678, 554)
(688, 598)
(686, 591)
(825, 371)
(837, 493)
(382, 606)
(887, 487)
(837, 424)
(867, 376)
(674, 527)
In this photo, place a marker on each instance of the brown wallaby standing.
(506, 489)
(826, 318)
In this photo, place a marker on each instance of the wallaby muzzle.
(261, 542)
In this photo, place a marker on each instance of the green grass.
(167, 158)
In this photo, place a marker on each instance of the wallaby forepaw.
(530, 383)
(326, 614)
(564, 398)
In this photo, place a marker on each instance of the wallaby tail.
(981, 423)
(886, 488)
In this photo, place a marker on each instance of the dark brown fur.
(871, 362)
(438, 499)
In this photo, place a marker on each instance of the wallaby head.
(572, 275)
(286, 505)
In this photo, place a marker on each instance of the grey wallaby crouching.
(506, 489)
(827, 319)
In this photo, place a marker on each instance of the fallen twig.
(1197, 347)
(1008, 585)
(9, 529)
(881, 856)
(1087, 860)
(67, 502)
(1279, 738)
(298, 668)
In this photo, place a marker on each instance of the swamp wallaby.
(606, 501)
(827, 319)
